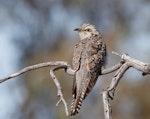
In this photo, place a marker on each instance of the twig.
(112, 69)
(59, 89)
(115, 53)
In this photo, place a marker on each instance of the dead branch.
(121, 67)
(63, 64)
(59, 89)
(112, 69)
(58, 65)
(109, 92)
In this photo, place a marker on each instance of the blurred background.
(34, 31)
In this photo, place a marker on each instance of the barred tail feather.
(76, 104)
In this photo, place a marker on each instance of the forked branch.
(57, 65)
(109, 92)
(59, 89)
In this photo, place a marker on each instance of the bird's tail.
(77, 101)
(76, 104)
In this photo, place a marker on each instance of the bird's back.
(89, 57)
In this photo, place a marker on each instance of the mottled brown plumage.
(89, 57)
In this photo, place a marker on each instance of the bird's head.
(86, 30)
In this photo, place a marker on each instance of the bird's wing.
(76, 63)
(95, 59)
(77, 55)
(95, 54)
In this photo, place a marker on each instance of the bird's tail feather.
(77, 102)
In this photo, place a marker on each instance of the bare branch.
(63, 64)
(141, 66)
(112, 69)
(115, 53)
(59, 89)
(58, 65)
(107, 106)
(121, 67)
(109, 92)
(117, 77)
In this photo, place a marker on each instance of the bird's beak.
(77, 29)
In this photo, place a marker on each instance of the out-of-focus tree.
(43, 31)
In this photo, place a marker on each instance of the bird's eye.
(88, 30)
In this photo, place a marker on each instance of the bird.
(88, 59)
